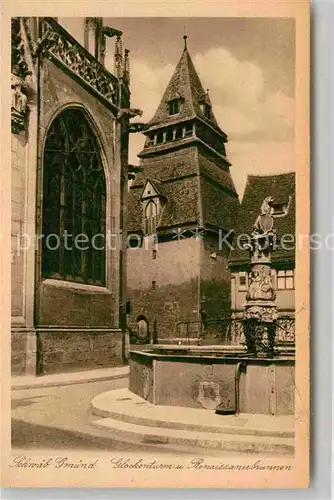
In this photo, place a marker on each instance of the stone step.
(123, 405)
(204, 440)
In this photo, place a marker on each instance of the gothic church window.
(74, 202)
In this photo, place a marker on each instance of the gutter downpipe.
(240, 368)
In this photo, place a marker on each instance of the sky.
(248, 65)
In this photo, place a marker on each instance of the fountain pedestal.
(260, 328)
(226, 379)
(260, 308)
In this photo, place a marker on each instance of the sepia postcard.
(155, 244)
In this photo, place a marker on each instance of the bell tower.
(184, 160)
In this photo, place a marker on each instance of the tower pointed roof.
(185, 86)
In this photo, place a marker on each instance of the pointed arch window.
(74, 202)
(150, 217)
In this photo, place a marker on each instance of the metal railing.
(230, 331)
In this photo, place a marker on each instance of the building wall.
(59, 303)
(23, 205)
(18, 196)
(65, 319)
(215, 287)
(174, 297)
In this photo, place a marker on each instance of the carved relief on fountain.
(261, 286)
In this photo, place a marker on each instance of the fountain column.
(260, 308)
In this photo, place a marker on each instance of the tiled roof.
(209, 169)
(171, 165)
(199, 191)
(280, 187)
(219, 208)
(181, 205)
(185, 83)
(194, 178)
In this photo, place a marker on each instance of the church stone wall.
(70, 327)
(165, 289)
(19, 152)
(23, 171)
(215, 288)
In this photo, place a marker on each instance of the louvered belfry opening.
(74, 201)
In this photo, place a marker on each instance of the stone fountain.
(250, 378)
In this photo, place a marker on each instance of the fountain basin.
(214, 378)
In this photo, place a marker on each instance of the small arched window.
(150, 219)
(142, 328)
(74, 201)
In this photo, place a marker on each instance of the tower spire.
(185, 37)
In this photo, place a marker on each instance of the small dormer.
(206, 110)
(206, 106)
(153, 201)
(174, 104)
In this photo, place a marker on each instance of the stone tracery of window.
(74, 202)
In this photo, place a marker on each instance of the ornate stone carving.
(237, 332)
(57, 45)
(19, 63)
(285, 331)
(263, 312)
(261, 286)
(129, 112)
(262, 237)
(20, 70)
(138, 127)
(260, 335)
(19, 105)
(260, 309)
(264, 223)
(208, 395)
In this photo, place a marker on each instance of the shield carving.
(208, 395)
(266, 223)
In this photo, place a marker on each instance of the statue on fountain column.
(260, 308)
(265, 222)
